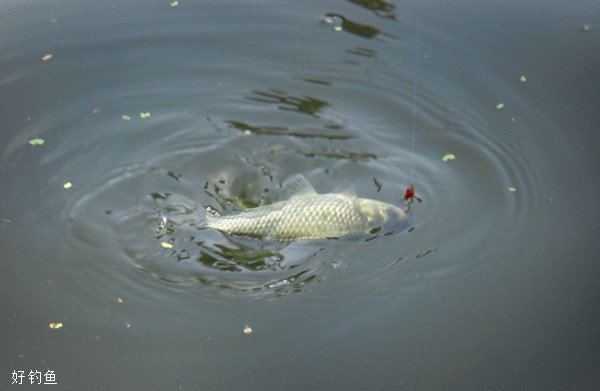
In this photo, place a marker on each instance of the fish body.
(310, 215)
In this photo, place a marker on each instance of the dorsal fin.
(295, 185)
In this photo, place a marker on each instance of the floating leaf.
(119, 300)
(126, 117)
(523, 79)
(55, 325)
(512, 189)
(448, 156)
(68, 185)
(500, 106)
(166, 245)
(174, 3)
(36, 141)
(247, 330)
(47, 57)
(145, 114)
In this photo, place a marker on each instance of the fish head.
(381, 215)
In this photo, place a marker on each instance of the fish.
(311, 215)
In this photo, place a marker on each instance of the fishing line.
(409, 193)
(414, 100)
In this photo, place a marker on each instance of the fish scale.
(308, 216)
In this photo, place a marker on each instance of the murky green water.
(153, 110)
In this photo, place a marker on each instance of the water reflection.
(363, 51)
(350, 26)
(381, 8)
(236, 256)
(231, 264)
(284, 131)
(314, 80)
(338, 154)
(301, 104)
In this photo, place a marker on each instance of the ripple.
(120, 218)
(231, 144)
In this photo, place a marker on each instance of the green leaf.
(36, 141)
(448, 156)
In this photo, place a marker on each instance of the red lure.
(409, 193)
(409, 196)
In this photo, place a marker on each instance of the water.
(489, 289)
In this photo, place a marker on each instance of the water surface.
(153, 111)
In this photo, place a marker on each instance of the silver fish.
(310, 215)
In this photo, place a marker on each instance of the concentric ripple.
(228, 140)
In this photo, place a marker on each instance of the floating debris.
(500, 106)
(247, 330)
(67, 185)
(145, 114)
(377, 184)
(586, 27)
(338, 28)
(119, 300)
(166, 245)
(174, 3)
(55, 325)
(174, 175)
(36, 141)
(47, 57)
(96, 110)
(448, 156)
(523, 79)
(512, 189)
(126, 117)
